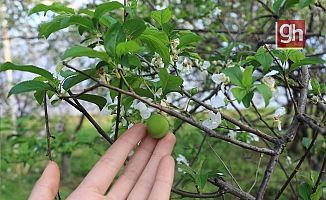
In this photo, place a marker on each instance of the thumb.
(47, 185)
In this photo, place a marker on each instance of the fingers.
(100, 177)
(164, 180)
(133, 170)
(146, 181)
(47, 185)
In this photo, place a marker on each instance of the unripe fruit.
(193, 91)
(157, 126)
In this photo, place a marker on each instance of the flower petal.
(217, 102)
(271, 73)
(279, 112)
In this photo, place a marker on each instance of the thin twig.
(256, 174)
(48, 134)
(261, 119)
(117, 121)
(321, 173)
(226, 167)
(90, 119)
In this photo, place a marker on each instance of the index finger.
(101, 176)
(47, 185)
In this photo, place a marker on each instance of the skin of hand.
(148, 174)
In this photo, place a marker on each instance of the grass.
(241, 162)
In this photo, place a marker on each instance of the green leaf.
(226, 51)
(235, 75)
(134, 28)
(78, 20)
(46, 29)
(79, 51)
(305, 191)
(130, 61)
(296, 55)
(264, 58)
(276, 6)
(156, 45)
(107, 20)
(86, 11)
(113, 36)
(71, 81)
(247, 99)
(187, 178)
(128, 101)
(39, 96)
(317, 195)
(28, 86)
(200, 179)
(144, 93)
(247, 77)
(307, 61)
(106, 7)
(168, 81)
(186, 169)
(56, 7)
(315, 86)
(290, 3)
(188, 39)
(215, 173)
(177, 123)
(98, 100)
(313, 176)
(162, 16)
(27, 68)
(199, 167)
(265, 91)
(239, 93)
(126, 47)
(306, 142)
(322, 184)
(304, 3)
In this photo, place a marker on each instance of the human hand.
(148, 174)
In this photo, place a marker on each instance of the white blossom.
(130, 125)
(112, 131)
(277, 115)
(221, 78)
(124, 121)
(181, 160)
(217, 11)
(232, 134)
(185, 64)
(236, 5)
(217, 102)
(288, 160)
(158, 93)
(99, 48)
(175, 42)
(270, 82)
(106, 111)
(144, 112)
(253, 138)
(157, 60)
(214, 121)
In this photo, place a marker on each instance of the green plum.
(157, 126)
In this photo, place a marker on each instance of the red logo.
(290, 34)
